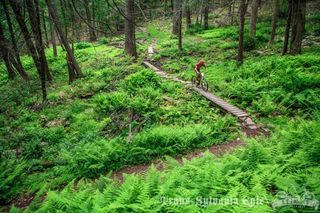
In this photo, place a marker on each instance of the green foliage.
(172, 139)
(103, 40)
(82, 45)
(141, 79)
(249, 43)
(12, 173)
(195, 28)
(121, 114)
(254, 172)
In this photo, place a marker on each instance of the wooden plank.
(214, 99)
(150, 65)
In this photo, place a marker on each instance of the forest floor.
(122, 119)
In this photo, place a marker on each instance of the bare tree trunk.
(34, 16)
(242, 13)
(179, 2)
(206, 14)
(298, 26)
(4, 51)
(93, 17)
(175, 19)
(130, 34)
(230, 3)
(254, 15)
(33, 10)
(188, 14)
(18, 64)
(233, 6)
(62, 9)
(53, 40)
(52, 11)
(45, 28)
(16, 7)
(88, 14)
(274, 20)
(287, 30)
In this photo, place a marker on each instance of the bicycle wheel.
(204, 84)
(193, 81)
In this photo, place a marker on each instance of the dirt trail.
(160, 165)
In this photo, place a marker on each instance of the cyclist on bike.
(197, 68)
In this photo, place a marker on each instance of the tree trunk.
(18, 65)
(52, 11)
(188, 14)
(130, 35)
(16, 7)
(62, 6)
(45, 28)
(53, 40)
(175, 19)
(90, 21)
(34, 16)
(298, 26)
(94, 17)
(287, 30)
(4, 51)
(242, 13)
(230, 3)
(206, 14)
(232, 16)
(179, 2)
(254, 15)
(274, 20)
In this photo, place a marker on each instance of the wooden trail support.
(247, 123)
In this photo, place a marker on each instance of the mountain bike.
(203, 82)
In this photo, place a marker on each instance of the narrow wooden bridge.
(247, 123)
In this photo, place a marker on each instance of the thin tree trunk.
(18, 64)
(230, 2)
(73, 21)
(130, 37)
(287, 30)
(232, 16)
(179, 25)
(34, 16)
(52, 11)
(45, 28)
(188, 14)
(33, 10)
(298, 26)
(94, 17)
(62, 6)
(274, 20)
(88, 14)
(206, 14)
(16, 7)
(53, 40)
(242, 13)
(5, 54)
(175, 19)
(254, 15)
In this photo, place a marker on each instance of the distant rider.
(197, 68)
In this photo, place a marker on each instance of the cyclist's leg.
(199, 76)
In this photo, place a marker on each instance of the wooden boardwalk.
(240, 114)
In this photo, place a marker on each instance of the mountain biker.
(197, 68)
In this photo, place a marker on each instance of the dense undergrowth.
(123, 114)
(253, 179)
(266, 84)
(119, 114)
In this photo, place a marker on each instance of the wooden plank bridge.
(243, 116)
